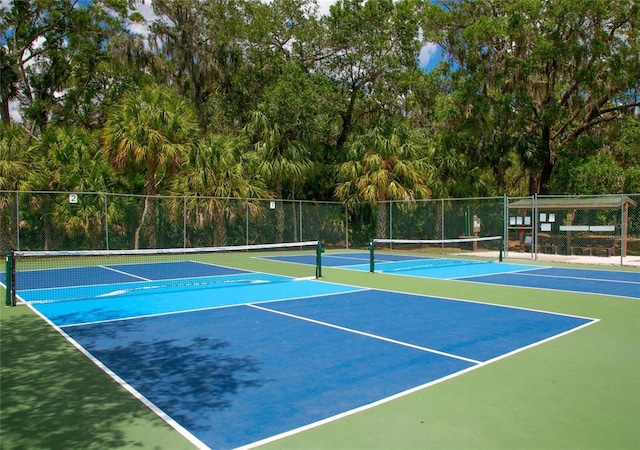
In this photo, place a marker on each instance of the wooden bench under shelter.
(594, 246)
(547, 244)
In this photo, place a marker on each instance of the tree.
(68, 159)
(9, 79)
(56, 49)
(563, 68)
(14, 145)
(283, 158)
(199, 41)
(384, 163)
(284, 129)
(367, 67)
(606, 164)
(219, 168)
(14, 156)
(149, 131)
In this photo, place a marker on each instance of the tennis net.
(55, 276)
(394, 255)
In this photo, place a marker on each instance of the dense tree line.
(238, 98)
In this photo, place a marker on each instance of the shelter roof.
(570, 203)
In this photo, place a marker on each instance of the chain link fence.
(99, 221)
(549, 227)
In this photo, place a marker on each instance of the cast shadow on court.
(198, 376)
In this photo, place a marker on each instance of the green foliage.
(14, 156)
(596, 174)
(56, 48)
(595, 165)
(549, 72)
(533, 97)
(385, 163)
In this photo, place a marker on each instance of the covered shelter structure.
(597, 225)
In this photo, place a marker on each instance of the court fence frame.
(534, 227)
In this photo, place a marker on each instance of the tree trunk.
(4, 111)
(539, 181)
(220, 229)
(548, 162)
(279, 215)
(136, 234)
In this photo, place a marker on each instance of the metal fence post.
(17, 221)
(623, 230)
(300, 208)
(442, 219)
(184, 221)
(534, 227)
(346, 231)
(391, 219)
(505, 224)
(10, 280)
(106, 221)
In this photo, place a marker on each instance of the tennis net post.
(10, 299)
(319, 252)
(371, 256)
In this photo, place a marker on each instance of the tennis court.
(232, 356)
(592, 281)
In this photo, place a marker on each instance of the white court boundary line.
(408, 391)
(523, 272)
(122, 272)
(563, 277)
(145, 401)
(544, 289)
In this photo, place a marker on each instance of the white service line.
(124, 273)
(362, 333)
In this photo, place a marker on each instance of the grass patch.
(53, 397)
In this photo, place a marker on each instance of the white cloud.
(323, 7)
(430, 55)
(146, 10)
(14, 112)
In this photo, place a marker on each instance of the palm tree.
(13, 155)
(151, 131)
(283, 156)
(384, 163)
(68, 159)
(9, 79)
(219, 168)
(13, 169)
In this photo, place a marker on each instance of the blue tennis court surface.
(232, 364)
(593, 281)
(240, 374)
